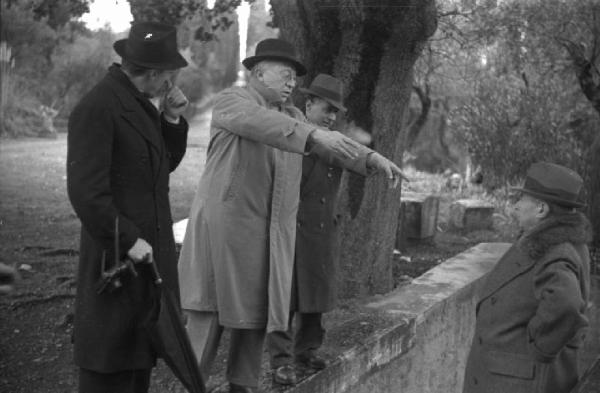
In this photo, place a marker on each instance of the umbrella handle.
(155, 274)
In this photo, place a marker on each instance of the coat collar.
(136, 106)
(571, 227)
(531, 246)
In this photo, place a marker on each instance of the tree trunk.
(584, 70)
(371, 46)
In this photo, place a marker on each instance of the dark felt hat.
(151, 45)
(553, 183)
(275, 49)
(328, 88)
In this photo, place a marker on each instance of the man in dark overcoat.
(531, 315)
(315, 267)
(121, 149)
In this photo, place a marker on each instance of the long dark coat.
(315, 268)
(120, 154)
(531, 318)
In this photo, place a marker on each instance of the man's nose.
(291, 83)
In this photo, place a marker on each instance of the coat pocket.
(510, 364)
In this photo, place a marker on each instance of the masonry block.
(179, 231)
(417, 218)
(471, 214)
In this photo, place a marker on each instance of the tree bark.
(591, 89)
(372, 47)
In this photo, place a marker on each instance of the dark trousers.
(130, 381)
(283, 346)
(245, 347)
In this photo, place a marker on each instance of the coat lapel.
(513, 264)
(134, 113)
(141, 123)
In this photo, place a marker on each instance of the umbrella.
(170, 340)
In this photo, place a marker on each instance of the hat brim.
(251, 61)
(549, 198)
(332, 102)
(173, 63)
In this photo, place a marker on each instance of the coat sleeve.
(175, 137)
(357, 165)
(240, 114)
(89, 157)
(561, 310)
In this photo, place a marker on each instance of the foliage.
(513, 94)
(55, 60)
(218, 18)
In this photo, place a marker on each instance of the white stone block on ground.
(179, 231)
(471, 214)
(417, 218)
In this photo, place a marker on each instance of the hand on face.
(175, 102)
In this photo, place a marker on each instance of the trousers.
(283, 346)
(245, 349)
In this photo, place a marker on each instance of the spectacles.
(285, 74)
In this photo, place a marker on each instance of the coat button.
(299, 224)
(322, 225)
(323, 200)
(158, 228)
(329, 174)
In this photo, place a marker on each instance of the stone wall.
(425, 350)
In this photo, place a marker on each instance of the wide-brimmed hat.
(328, 88)
(275, 49)
(553, 183)
(151, 45)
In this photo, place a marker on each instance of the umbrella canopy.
(169, 337)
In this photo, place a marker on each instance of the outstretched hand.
(336, 142)
(377, 162)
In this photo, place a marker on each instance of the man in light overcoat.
(237, 257)
(315, 268)
(531, 316)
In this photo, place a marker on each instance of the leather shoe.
(312, 360)
(233, 388)
(285, 375)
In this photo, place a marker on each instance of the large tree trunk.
(372, 47)
(584, 69)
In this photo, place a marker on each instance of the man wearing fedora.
(531, 315)
(315, 269)
(121, 150)
(237, 257)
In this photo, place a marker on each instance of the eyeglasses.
(285, 74)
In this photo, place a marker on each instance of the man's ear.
(543, 210)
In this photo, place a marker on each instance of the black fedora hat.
(151, 45)
(553, 183)
(328, 88)
(275, 49)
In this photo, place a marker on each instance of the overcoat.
(531, 315)
(238, 251)
(316, 269)
(120, 154)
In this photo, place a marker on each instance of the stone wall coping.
(410, 305)
(474, 203)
